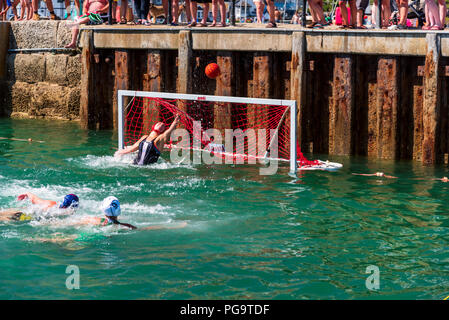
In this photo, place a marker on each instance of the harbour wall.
(382, 94)
(39, 80)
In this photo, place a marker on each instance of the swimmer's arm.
(130, 149)
(36, 200)
(364, 174)
(390, 177)
(166, 135)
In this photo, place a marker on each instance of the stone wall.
(41, 84)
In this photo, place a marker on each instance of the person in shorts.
(193, 10)
(361, 7)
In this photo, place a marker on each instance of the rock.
(56, 68)
(33, 34)
(26, 67)
(21, 93)
(63, 34)
(74, 70)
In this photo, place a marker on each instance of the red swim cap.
(158, 127)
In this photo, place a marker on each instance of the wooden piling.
(387, 107)
(152, 81)
(224, 87)
(185, 62)
(298, 79)
(431, 99)
(261, 89)
(122, 79)
(87, 85)
(341, 109)
(4, 45)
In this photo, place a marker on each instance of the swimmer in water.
(111, 210)
(150, 146)
(377, 174)
(70, 201)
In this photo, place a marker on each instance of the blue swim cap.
(70, 200)
(111, 207)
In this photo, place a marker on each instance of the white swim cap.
(111, 207)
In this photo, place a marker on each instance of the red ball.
(212, 70)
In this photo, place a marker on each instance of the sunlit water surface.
(248, 236)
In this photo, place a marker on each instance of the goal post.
(277, 117)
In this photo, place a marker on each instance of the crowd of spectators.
(350, 14)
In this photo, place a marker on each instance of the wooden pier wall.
(382, 95)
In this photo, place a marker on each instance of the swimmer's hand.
(177, 118)
(22, 197)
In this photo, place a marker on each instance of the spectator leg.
(174, 10)
(124, 9)
(214, 12)
(205, 13)
(403, 10)
(353, 12)
(270, 8)
(188, 11)
(344, 13)
(193, 11)
(75, 32)
(374, 12)
(443, 11)
(386, 13)
(222, 12)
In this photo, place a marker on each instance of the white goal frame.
(195, 97)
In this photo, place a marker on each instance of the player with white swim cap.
(150, 146)
(111, 210)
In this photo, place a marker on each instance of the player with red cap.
(149, 146)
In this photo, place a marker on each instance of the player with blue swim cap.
(70, 201)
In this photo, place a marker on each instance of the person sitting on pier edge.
(150, 146)
(50, 8)
(92, 10)
(194, 9)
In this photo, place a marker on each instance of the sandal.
(213, 24)
(436, 28)
(271, 25)
(313, 24)
(191, 24)
(425, 28)
(343, 26)
(202, 24)
(146, 23)
(123, 20)
(361, 27)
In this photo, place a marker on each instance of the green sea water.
(247, 236)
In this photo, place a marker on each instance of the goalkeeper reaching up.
(149, 146)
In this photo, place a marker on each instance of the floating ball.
(212, 70)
